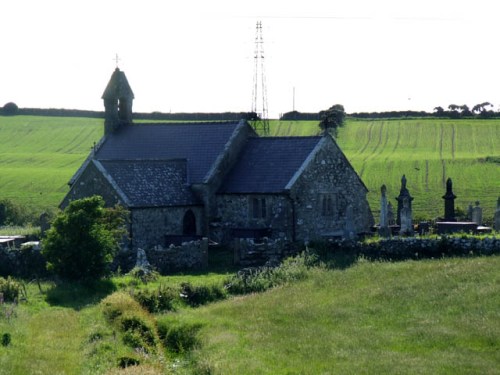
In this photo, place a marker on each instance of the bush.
(125, 361)
(158, 300)
(178, 337)
(252, 280)
(137, 326)
(143, 275)
(201, 294)
(83, 239)
(6, 339)
(9, 289)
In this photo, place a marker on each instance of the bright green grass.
(40, 154)
(427, 151)
(434, 316)
(426, 317)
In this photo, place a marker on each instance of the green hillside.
(38, 155)
(427, 151)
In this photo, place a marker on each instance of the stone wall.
(248, 252)
(89, 183)
(187, 257)
(418, 248)
(234, 211)
(150, 225)
(329, 176)
(27, 263)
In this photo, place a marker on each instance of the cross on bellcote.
(117, 59)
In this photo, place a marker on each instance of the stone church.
(183, 181)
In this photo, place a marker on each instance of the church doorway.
(189, 224)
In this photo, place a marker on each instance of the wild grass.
(434, 316)
(437, 316)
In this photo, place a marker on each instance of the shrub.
(143, 275)
(196, 295)
(179, 337)
(125, 361)
(136, 325)
(83, 239)
(158, 300)
(252, 280)
(6, 339)
(9, 289)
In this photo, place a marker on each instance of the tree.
(439, 111)
(84, 239)
(332, 118)
(10, 109)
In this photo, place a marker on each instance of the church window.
(189, 224)
(258, 208)
(327, 202)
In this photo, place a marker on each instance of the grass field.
(427, 151)
(40, 154)
(415, 317)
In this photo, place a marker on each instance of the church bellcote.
(118, 98)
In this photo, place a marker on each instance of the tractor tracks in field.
(370, 129)
(443, 163)
(453, 141)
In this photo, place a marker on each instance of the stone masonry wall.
(329, 174)
(250, 253)
(189, 256)
(150, 225)
(235, 211)
(91, 182)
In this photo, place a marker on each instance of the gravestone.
(404, 194)
(44, 223)
(469, 212)
(497, 216)
(449, 202)
(349, 230)
(384, 223)
(405, 217)
(142, 261)
(477, 214)
(390, 214)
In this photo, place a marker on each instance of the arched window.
(189, 224)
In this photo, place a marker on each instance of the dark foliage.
(83, 239)
(179, 337)
(10, 109)
(158, 300)
(196, 295)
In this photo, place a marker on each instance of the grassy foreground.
(427, 317)
(415, 317)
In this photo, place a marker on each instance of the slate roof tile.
(267, 164)
(152, 183)
(198, 143)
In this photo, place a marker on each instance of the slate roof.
(151, 183)
(267, 164)
(199, 143)
(118, 87)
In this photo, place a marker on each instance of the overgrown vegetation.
(336, 317)
(9, 290)
(83, 239)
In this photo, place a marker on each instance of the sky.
(198, 55)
